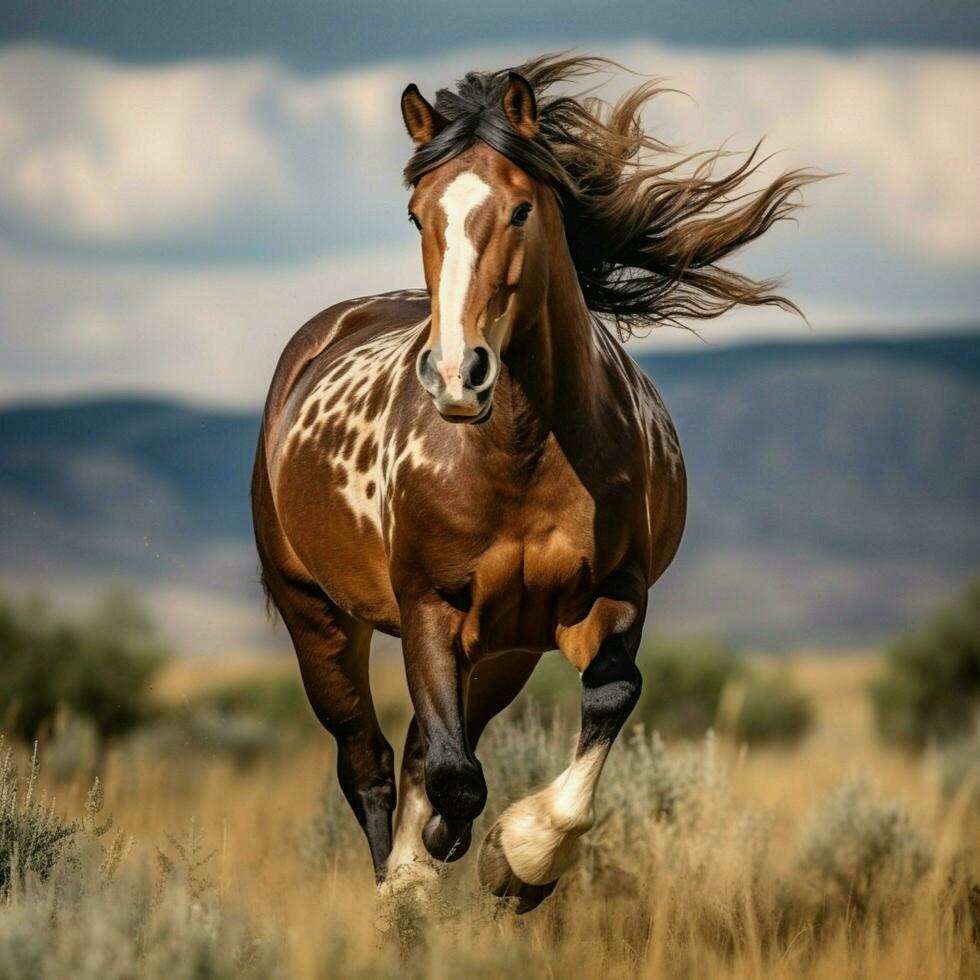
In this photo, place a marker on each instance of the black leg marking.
(333, 652)
(367, 778)
(549, 829)
(454, 782)
(611, 686)
(457, 791)
(492, 686)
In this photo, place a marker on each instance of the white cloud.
(115, 180)
(95, 152)
(98, 152)
(902, 126)
(205, 332)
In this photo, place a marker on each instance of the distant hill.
(858, 449)
(835, 494)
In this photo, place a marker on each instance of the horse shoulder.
(333, 325)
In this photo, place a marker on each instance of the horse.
(480, 469)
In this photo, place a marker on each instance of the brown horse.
(480, 469)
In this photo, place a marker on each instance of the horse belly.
(339, 547)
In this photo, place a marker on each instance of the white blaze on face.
(465, 193)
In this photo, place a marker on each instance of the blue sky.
(182, 185)
(317, 36)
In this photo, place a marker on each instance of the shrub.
(683, 683)
(930, 688)
(85, 925)
(857, 848)
(243, 721)
(643, 781)
(32, 836)
(278, 700)
(72, 904)
(203, 733)
(97, 667)
(772, 710)
(524, 754)
(959, 769)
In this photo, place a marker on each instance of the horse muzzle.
(461, 390)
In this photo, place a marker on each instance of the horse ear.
(520, 106)
(422, 121)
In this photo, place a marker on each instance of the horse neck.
(553, 358)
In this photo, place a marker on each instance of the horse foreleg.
(536, 839)
(437, 679)
(493, 685)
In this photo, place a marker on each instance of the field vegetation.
(756, 819)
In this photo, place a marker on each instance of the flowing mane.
(646, 240)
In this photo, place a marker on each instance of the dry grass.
(762, 865)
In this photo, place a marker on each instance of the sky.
(183, 185)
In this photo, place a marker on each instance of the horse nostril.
(426, 370)
(476, 366)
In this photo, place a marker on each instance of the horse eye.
(415, 221)
(520, 214)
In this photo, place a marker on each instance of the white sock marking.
(540, 833)
(410, 869)
(413, 814)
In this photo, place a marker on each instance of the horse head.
(484, 225)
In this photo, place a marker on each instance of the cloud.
(203, 332)
(202, 159)
(95, 152)
(902, 127)
(168, 228)
(214, 332)
(245, 156)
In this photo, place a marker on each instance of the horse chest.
(537, 572)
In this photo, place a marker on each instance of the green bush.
(644, 781)
(278, 700)
(683, 681)
(97, 666)
(857, 848)
(32, 836)
(244, 721)
(958, 767)
(72, 904)
(203, 733)
(930, 688)
(772, 710)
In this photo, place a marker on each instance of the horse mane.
(645, 239)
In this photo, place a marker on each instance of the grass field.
(834, 858)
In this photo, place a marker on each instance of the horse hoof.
(498, 877)
(444, 843)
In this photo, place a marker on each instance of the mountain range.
(834, 495)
